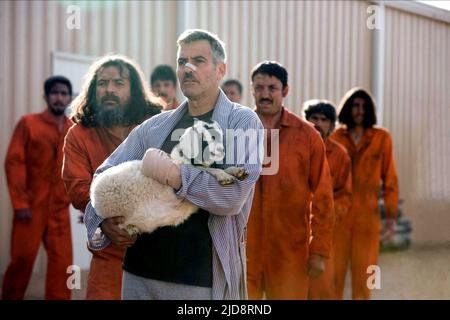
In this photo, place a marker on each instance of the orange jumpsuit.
(33, 171)
(372, 162)
(85, 150)
(284, 215)
(341, 175)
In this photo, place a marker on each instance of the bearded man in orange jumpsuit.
(322, 114)
(291, 221)
(41, 206)
(372, 157)
(114, 100)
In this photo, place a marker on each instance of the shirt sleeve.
(390, 181)
(343, 188)
(77, 172)
(16, 166)
(322, 213)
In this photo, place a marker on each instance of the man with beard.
(371, 151)
(322, 114)
(41, 206)
(291, 222)
(115, 99)
(164, 85)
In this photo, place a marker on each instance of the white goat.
(146, 204)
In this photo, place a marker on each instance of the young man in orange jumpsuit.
(233, 90)
(372, 157)
(114, 100)
(322, 114)
(41, 206)
(291, 222)
(164, 85)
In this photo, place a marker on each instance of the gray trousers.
(139, 288)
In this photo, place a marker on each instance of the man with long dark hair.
(41, 206)
(114, 100)
(372, 157)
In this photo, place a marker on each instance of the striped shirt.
(228, 206)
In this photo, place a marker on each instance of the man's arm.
(16, 167)
(77, 172)
(322, 213)
(343, 188)
(390, 181)
(390, 187)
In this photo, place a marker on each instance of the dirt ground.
(417, 273)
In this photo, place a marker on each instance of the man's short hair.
(233, 82)
(217, 45)
(51, 81)
(345, 108)
(324, 107)
(163, 72)
(272, 69)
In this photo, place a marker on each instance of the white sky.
(441, 4)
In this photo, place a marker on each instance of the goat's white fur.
(145, 203)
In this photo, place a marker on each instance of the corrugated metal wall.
(325, 45)
(31, 30)
(417, 112)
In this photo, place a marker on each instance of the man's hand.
(115, 233)
(157, 164)
(23, 215)
(316, 265)
(389, 229)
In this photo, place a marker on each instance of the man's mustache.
(189, 77)
(265, 100)
(110, 97)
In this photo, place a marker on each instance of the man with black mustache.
(41, 206)
(292, 205)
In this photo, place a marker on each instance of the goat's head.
(201, 144)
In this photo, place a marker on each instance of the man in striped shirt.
(203, 258)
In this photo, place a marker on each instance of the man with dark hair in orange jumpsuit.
(291, 222)
(322, 114)
(114, 100)
(163, 81)
(372, 157)
(41, 206)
